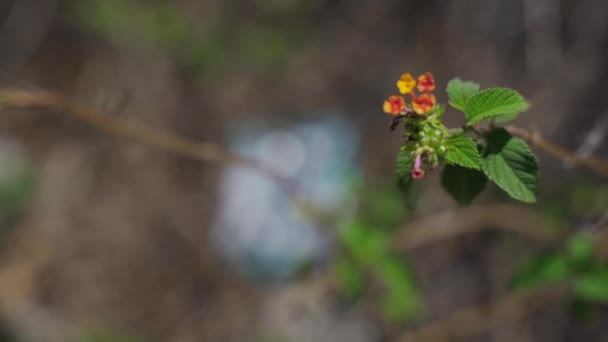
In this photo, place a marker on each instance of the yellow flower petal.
(387, 107)
(406, 83)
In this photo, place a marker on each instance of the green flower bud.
(442, 150)
(437, 133)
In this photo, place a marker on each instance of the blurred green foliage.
(541, 269)
(574, 264)
(579, 251)
(366, 258)
(580, 198)
(592, 285)
(15, 191)
(204, 47)
(578, 202)
(17, 183)
(350, 277)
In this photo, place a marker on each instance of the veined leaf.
(462, 150)
(509, 163)
(460, 91)
(494, 102)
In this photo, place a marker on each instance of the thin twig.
(203, 151)
(599, 225)
(535, 138)
(475, 320)
(451, 223)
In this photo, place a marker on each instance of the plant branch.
(472, 321)
(203, 151)
(451, 223)
(535, 138)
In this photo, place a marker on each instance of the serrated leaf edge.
(508, 190)
(458, 79)
(472, 122)
(478, 160)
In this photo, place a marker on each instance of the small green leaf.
(462, 150)
(460, 91)
(541, 270)
(401, 300)
(510, 164)
(462, 183)
(494, 102)
(593, 286)
(349, 277)
(405, 162)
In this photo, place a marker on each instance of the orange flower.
(423, 104)
(394, 105)
(406, 83)
(426, 83)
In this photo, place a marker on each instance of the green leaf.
(405, 162)
(460, 91)
(505, 117)
(540, 270)
(462, 183)
(462, 150)
(593, 286)
(509, 163)
(401, 300)
(494, 102)
(349, 277)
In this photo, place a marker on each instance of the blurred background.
(106, 239)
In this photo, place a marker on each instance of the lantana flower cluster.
(420, 104)
(424, 133)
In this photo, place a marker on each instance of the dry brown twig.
(202, 151)
(472, 321)
(535, 138)
(471, 219)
